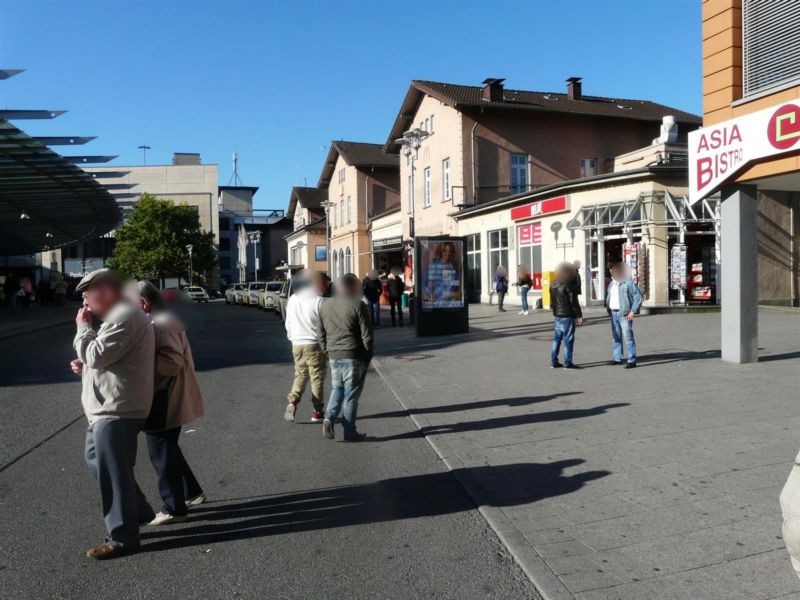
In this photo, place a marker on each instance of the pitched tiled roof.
(310, 198)
(465, 97)
(356, 154)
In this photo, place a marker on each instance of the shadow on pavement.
(500, 422)
(394, 499)
(447, 408)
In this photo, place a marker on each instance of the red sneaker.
(317, 417)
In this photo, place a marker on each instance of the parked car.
(268, 297)
(196, 294)
(213, 292)
(238, 292)
(283, 298)
(251, 295)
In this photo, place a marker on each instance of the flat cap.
(104, 275)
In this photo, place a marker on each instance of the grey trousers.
(111, 456)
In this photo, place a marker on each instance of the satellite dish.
(556, 227)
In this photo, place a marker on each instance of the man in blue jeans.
(567, 314)
(623, 301)
(345, 335)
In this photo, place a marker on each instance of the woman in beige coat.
(177, 401)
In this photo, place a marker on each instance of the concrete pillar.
(739, 274)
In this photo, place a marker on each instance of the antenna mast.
(235, 177)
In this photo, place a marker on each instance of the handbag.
(157, 419)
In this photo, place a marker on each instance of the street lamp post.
(189, 247)
(255, 238)
(326, 206)
(411, 142)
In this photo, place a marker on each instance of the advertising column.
(440, 297)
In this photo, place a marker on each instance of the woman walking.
(177, 401)
(525, 283)
(501, 286)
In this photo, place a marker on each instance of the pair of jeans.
(347, 382)
(176, 482)
(622, 329)
(564, 331)
(523, 290)
(309, 365)
(394, 303)
(111, 456)
(375, 312)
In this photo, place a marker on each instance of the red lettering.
(704, 173)
(703, 145)
(716, 140)
(735, 135)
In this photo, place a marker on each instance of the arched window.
(335, 265)
(341, 263)
(348, 261)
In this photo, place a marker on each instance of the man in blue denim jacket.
(623, 301)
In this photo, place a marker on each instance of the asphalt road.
(291, 515)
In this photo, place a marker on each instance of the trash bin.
(404, 300)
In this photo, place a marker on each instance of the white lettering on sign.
(716, 153)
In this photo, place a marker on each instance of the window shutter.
(771, 53)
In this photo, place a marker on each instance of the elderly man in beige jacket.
(115, 358)
(177, 401)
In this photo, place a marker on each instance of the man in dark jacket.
(396, 288)
(345, 335)
(372, 292)
(567, 313)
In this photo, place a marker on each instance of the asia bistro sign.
(540, 208)
(718, 152)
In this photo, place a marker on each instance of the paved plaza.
(606, 483)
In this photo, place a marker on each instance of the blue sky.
(276, 81)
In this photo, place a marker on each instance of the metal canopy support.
(9, 73)
(64, 140)
(86, 160)
(18, 115)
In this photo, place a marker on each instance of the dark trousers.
(176, 482)
(395, 302)
(111, 455)
(375, 312)
(501, 296)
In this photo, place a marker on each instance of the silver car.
(268, 297)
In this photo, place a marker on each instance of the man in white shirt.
(302, 320)
(623, 301)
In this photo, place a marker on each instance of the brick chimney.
(574, 91)
(492, 90)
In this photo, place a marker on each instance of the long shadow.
(396, 499)
(501, 422)
(448, 408)
(784, 356)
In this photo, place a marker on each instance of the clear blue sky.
(276, 81)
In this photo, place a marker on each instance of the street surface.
(290, 515)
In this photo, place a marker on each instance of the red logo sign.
(530, 234)
(540, 208)
(525, 235)
(783, 130)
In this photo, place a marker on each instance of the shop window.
(498, 253)
(427, 190)
(447, 191)
(770, 52)
(529, 251)
(588, 167)
(519, 173)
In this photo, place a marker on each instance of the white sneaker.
(163, 518)
(196, 500)
(524, 312)
(289, 415)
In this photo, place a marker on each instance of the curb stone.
(533, 565)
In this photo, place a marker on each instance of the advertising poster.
(442, 274)
(320, 253)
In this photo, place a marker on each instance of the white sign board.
(717, 152)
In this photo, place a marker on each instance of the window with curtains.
(519, 173)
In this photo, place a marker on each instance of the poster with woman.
(442, 284)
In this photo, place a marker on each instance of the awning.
(661, 209)
(46, 201)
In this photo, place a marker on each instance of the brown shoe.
(109, 551)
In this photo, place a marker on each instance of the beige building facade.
(307, 244)
(359, 179)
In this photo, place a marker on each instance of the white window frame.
(514, 167)
(583, 166)
(432, 128)
(447, 189)
(349, 209)
(426, 197)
